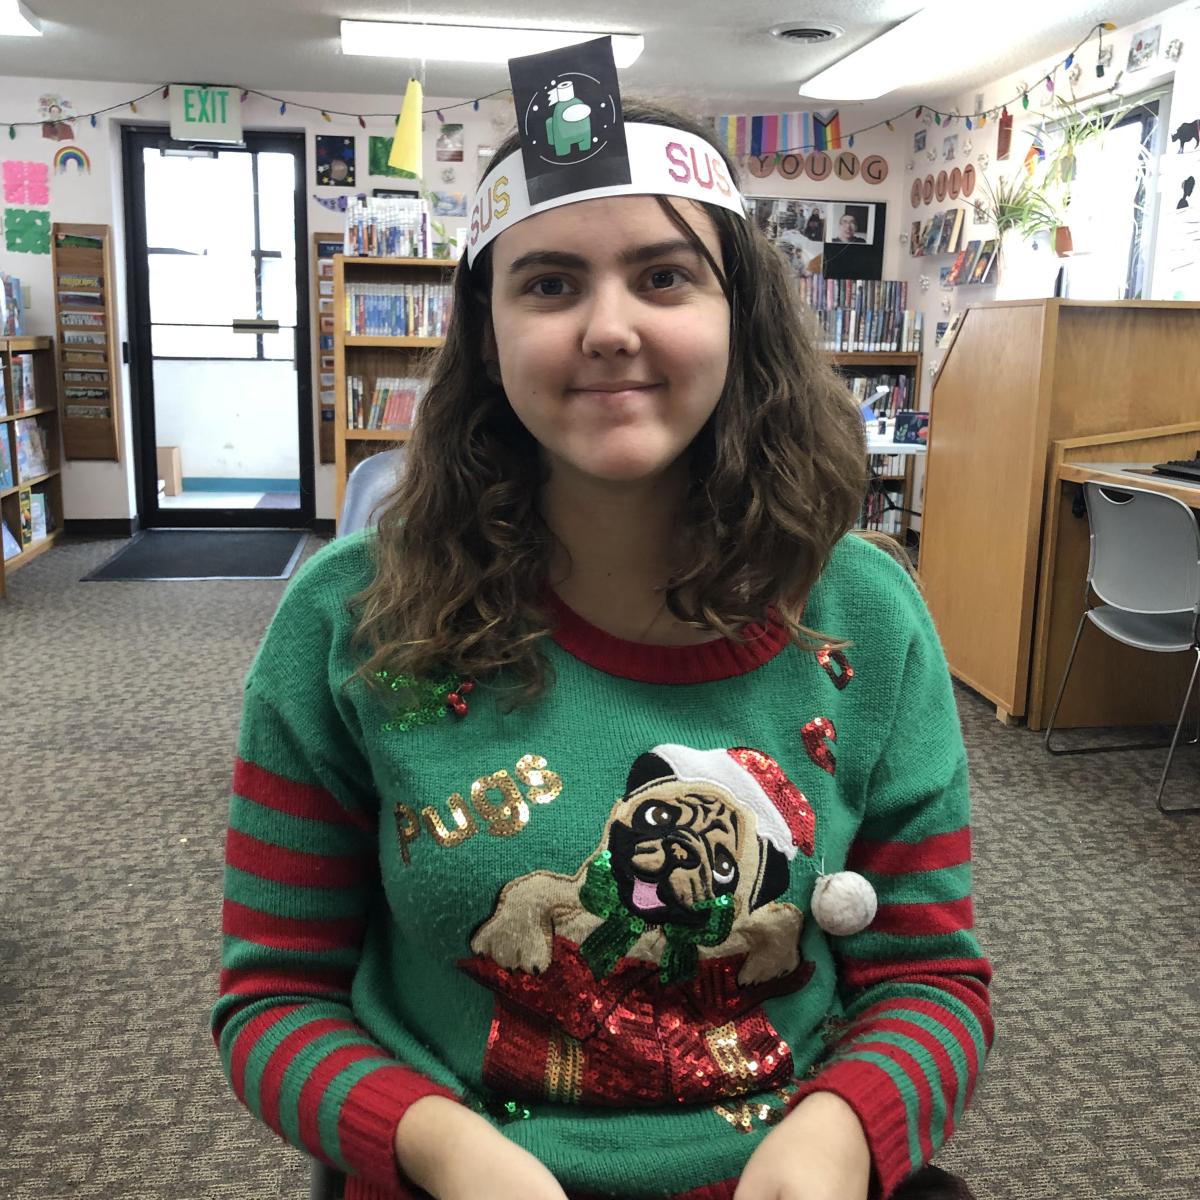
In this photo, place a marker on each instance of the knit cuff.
(873, 1098)
(367, 1129)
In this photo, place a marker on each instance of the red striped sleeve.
(291, 933)
(273, 791)
(254, 982)
(284, 1054)
(295, 867)
(247, 1039)
(313, 1090)
(902, 858)
(925, 920)
(861, 973)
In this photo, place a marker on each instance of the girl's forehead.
(600, 228)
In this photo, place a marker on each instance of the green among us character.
(569, 125)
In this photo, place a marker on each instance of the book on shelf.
(25, 507)
(88, 412)
(933, 233)
(391, 403)
(7, 479)
(951, 228)
(31, 449)
(79, 281)
(956, 270)
(81, 241)
(37, 516)
(4, 409)
(388, 227)
(12, 306)
(11, 546)
(397, 309)
(21, 369)
(972, 253)
(983, 264)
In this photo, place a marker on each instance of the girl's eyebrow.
(630, 257)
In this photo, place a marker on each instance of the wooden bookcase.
(373, 357)
(890, 362)
(323, 332)
(15, 497)
(90, 373)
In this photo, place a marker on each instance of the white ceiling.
(713, 55)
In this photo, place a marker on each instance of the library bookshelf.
(890, 365)
(370, 357)
(37, 426)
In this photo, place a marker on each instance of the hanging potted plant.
(1017, 204)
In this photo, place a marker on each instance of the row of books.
(32, 458)
(889, 465)
(899, 395)
(890, 295)
(24, 396)
(941, 234)
(849, 330)
(390, 404)
(388, 227)
(36, 523)
(876, 515)
(398, 309)
(976, 263)
(12, 307)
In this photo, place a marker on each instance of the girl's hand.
(454, 1154)
(817, 1152)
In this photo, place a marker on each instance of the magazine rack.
(89, 365)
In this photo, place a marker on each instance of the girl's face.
(611, 332)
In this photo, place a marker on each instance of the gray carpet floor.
(120, 710)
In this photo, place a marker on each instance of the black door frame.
(134, 139)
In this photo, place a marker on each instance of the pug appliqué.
(640, 979)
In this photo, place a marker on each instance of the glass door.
(219, 323)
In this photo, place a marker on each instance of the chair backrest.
(368, 486)
(1145, 550)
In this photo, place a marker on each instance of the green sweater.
(590, 918)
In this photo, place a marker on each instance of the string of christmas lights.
(164, 90)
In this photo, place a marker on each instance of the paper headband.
(662, 162)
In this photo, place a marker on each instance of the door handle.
(255, 325)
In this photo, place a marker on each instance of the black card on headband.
(569, 117)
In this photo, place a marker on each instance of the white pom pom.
(844, 903)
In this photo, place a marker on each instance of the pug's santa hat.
(842, 903)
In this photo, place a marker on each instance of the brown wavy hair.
(778, 475)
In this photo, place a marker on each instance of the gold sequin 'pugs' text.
(504, 817)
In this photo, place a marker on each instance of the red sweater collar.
(648, 663)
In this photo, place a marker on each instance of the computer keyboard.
(1182, 468)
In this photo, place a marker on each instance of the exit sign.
(206, 114)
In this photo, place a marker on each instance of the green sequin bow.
(419, 702)
(604, 948)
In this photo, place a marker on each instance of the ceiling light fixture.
(473, 43)
(886, 63)
(17, 21)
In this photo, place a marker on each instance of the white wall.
(106, 490)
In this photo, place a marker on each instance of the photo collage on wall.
(833, 238)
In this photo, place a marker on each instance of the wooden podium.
(1019, 377)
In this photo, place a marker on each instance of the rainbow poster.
(775, 133)
(72, 156)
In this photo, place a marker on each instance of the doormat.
(182, 554)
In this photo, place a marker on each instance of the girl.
(545, 787)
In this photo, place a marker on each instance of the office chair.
(368, 485)
(1145, 568)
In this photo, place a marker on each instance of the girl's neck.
(618, 542)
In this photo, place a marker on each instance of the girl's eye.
(665, 278)
(549, 287)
